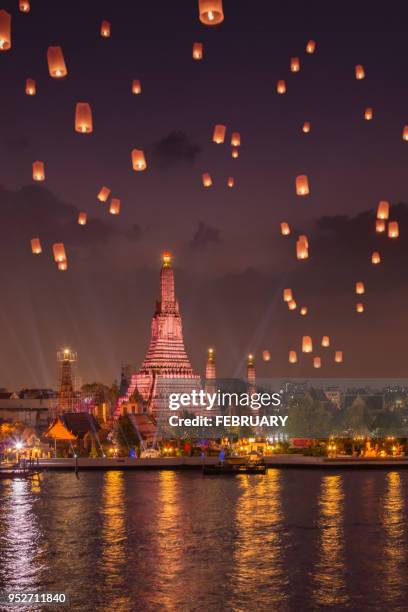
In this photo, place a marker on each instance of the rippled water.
(291, 540)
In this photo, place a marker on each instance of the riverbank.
(183, 463)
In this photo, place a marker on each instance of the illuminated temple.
(166, 368)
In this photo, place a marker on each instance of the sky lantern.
(114, 207)
(5, 31)
(82, 218)
(294, 64)
(359, 72)
(326, 341)
(36, 246)
(307, 345)
(105, 29)
(198, 51)
(360, 289)
(63, 265)
(292, 357)
(338, 356)
(379, 226)
(359, 307)
(210, 12)
(136, 87)
(103, 194)
(235, 153)
(207, 180)
(266, 356)
(236, 139)
(292, 305)
(38, 171)
(30, 87)
(405, 133)
(317, 362)
(368, 114)
(302, 248)
(285, 229)
(56, 63)
(287, 295)
(306, 127)
(281, 87)
(302, 185)
(138, 160)
(375, 258)
(311, 47)
(59, 252)
(393, 229)
(219, 134)
(231, 181)
(383, 210)
(24, 6)
(303, 311)
(83, 118)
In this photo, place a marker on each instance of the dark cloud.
(175, 148)
(205, 235)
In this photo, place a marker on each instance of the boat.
(233, 466)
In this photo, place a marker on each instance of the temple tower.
(66, 392)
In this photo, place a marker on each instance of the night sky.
(230, 260)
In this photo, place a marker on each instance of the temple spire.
(167, 297)
(251, 375)
(210, 367)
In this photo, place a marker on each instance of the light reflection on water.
(292, 540)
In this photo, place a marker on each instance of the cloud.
(175, 148)
(205, 235)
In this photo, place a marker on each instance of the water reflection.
(259, 576)
(394, 547)
(329, 576)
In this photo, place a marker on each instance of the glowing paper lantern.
(5, 31)
(83, 118)
(325, 341)
(294, 64)
(292, 357)
(311, 47)
(105, 29)
(63, 265)
(207, 180)
(210, 12)
(236, 139)
(266, 356)
(304, 239)
(219, 134)
(136, 87)
(114, 207)
(368, 114)
(235, 153)
(360, 289)
(302, 185)
(230, 181)
(56, 63)
(30, 87)
(38, 171)
(383, 210)
(317, 362)
(359, 307)
(404, 132)
(287, 295)
(302, 251)
(138, 160)
(198, 51)
(359, 72)
(82, 218)
(379, 226)
(104, 193)
(281, 87)
(375, 258)
(59, 252)
(24, 6)
(36, 246)
(393, 229)
(303, 311)
(338, 356)
(306, 127)
(285, 229)
(292, 305)
(307, 345)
